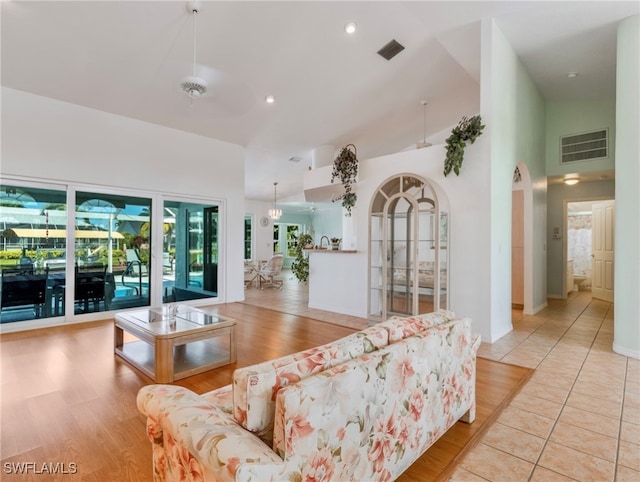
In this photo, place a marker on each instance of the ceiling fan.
(231, 96)
(193, 85)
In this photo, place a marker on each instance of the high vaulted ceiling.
(128, 58)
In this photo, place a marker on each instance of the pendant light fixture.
(193, 85)
(275, 213)
(424, 142)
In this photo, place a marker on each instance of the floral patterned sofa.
(362, 408)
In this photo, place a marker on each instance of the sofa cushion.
(255, 387)
(401, 328)
(222, 398)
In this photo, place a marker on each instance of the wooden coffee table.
(169, 348)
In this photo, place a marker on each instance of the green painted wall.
(627, 223)
(568, 118)
(557, 195)
(516, 119)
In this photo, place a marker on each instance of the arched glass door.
(408, 235)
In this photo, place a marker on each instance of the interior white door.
(603, 252)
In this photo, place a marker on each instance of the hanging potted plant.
(345, 168)
(300, 266)
(466, 130)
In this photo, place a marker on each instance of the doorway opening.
(522, 241)
(589, 247)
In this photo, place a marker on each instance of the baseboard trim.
(626, 352)
(537, 309)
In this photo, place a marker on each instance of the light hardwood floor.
(67, 399)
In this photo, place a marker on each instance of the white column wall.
(468, 197)
(627, 223)
(513, 111)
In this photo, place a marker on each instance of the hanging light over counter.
(275, 213)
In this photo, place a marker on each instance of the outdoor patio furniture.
(135, 269)
(20, 288)
(90, 284)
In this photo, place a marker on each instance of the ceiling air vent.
(390, 50)
(583, 147)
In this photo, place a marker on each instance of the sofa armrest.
(475, 344)
(191, 435)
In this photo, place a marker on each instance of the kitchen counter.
(338, 251)
(338, 283)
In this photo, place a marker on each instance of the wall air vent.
(584, 147)
(390, 50)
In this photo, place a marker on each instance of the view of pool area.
(98, 291)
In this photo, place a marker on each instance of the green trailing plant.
(300, 266)
(345, 168)
(466, 130)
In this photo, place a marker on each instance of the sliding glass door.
(33, 241)
(112, 252)
(191, 236)
(109, 261)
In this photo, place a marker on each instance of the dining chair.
(268, 272)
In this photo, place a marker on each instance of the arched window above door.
(408, 237)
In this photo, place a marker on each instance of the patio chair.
(267, 274)
(90, 287)
(135, 269)
(135, 266)
(20, 288)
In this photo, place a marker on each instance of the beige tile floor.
(577, 418)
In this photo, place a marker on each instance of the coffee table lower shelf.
(197, 357)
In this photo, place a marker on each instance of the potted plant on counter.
(335, 243)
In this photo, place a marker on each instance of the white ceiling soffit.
(128, 58)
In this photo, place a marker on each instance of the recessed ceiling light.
(270, 99)
(350, 27)
(572, 75)
(571, 181)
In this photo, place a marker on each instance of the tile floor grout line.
(540, 326)
(624, 394)
(564, 404)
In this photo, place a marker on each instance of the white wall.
(468, 199)
(480, 198)
(627, 222)
(263, 235)
(45, 139)
(327, 221)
